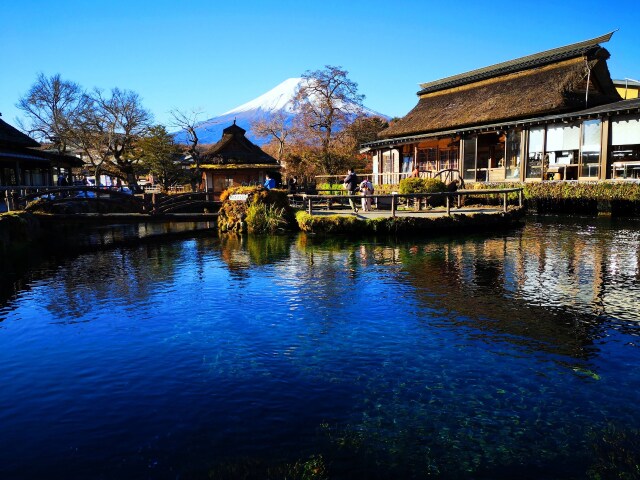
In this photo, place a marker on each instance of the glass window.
(590, 159)
(625, 132)
(625, 148)
(469, 160)
(407, 163)
(513, 154)
(534, 157)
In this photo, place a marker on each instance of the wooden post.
(448, 205)
(520, 198)
(309, 205)
(505, 202)
(393, 206)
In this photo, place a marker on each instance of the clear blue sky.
(217, 55)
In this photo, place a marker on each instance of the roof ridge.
(516, 64)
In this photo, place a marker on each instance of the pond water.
(491, 356)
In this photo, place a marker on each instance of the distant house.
(22, 164)
(235, 161)
(627, 88)
(553, 115)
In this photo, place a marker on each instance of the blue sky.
(216, 55)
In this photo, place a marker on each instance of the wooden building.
(236, 161)
(628, 89)
(552, 115)
(22, 164)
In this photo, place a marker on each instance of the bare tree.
(188, 122)
(52, 106)
(277, 128)
(106, 131)
(327, 101)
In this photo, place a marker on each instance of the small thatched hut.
(236, 161)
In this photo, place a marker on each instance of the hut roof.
(555, 81)
(236, 149)
(10, 136)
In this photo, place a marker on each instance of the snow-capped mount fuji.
(278, 99)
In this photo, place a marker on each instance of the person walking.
(366, 190)
(351, 185)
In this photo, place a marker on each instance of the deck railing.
(395, 200)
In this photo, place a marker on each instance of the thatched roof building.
(234, 161)
(234, 148)
(21, 163)
(554, 115)
(560, 80)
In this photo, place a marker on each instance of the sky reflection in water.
(488, 357)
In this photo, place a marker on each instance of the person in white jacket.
(366, 189)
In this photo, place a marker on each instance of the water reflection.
(483, 357)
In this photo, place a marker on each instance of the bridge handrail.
(308, 199)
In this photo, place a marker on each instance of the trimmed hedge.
(618, 198)
(421, 185)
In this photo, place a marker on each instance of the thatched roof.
(555, 55)
(506, 92)
(10, 136)
(236, 149)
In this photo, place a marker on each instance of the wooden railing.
(396, 199)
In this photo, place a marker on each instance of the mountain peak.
(278, 99)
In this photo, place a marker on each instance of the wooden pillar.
(393, 206)
(524, 141)
(504, 195)
(605, 138)
(448, 205)
(309, 205)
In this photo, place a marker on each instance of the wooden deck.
(431, 213)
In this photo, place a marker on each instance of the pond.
(490, 356)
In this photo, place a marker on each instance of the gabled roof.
(10, 136)
(523, 63)
(556, 81)
(235, 148)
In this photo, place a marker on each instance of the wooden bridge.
(87, 199)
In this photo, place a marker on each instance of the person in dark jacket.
(351, 185)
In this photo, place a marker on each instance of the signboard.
(239, 197)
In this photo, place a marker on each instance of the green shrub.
(421, 185)
(262, 218)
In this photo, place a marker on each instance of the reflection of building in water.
(547, 285)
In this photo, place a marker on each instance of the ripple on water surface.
(490, 356)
